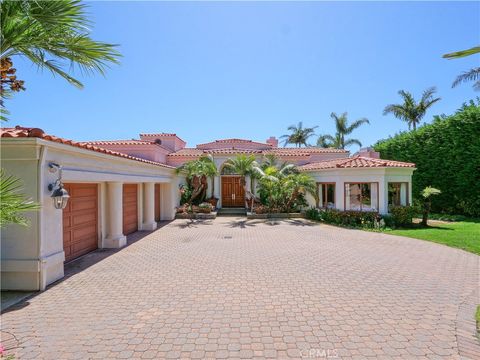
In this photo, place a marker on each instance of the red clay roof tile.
(354, 162)
(21, 132)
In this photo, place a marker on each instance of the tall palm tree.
(471, 75)
(53, 35)
(210, 169)
(196, 173)
(411, 111)
(242, 165)
(298, 135)
(342, 129)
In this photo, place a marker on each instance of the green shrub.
(362, 219)
(400, 216)
(447, 157)
(312, 214)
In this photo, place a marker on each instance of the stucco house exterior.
(117, 187)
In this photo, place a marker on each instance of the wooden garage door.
(130, 208)
(157, 202)
(80, 220)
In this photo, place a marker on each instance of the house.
(119, 187)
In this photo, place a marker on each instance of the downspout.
(41, 263)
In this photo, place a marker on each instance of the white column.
(114, 211)
(382, 197)
(340, 195)
(170, 199)
(149, 222)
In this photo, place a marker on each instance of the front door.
(233, 193)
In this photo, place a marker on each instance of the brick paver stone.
(232, 288)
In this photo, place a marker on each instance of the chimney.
(368, 152)
(273, 141)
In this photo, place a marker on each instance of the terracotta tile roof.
(355, 162)
(303, 151)
(188, 152)
(24, 132)
(233, 141)
(159, 134)
(198, 152)
(125, 142)
(233, 151)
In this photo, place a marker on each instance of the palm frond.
(356, 124)
(350, 142)
(471, 75)
(462, 53)
(13, 202)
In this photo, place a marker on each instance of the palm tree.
(241, 165)
(196, 174)
(342, 129)
(210, 170)
(427, 194)
(53, 35)
(298, 135)
(471, 75)
(13, 202)
(411, 111)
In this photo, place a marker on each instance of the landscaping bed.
(211, 215)
(296, 215)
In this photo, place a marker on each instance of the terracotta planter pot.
(213, 201)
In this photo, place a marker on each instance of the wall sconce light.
(59, 195)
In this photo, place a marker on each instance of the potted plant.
(205, 208)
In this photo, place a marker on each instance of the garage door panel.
(88, 204)
(157, 202)
(84, 219)
(130, 208)
(80, 220)
(84, 191)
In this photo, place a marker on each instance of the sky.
(213, 70)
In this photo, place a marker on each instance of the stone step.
(232, 212)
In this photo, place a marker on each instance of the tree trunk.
(426, 211)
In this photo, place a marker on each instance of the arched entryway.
(232, 189)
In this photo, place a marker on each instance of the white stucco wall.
(33, 257)
(382, 176)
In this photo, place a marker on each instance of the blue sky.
(216, 70)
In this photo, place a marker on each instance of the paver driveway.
(234, 289)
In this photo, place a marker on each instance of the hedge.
(447, 157)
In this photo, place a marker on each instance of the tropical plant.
(241, 165)
(342, 129)
(12, 202)
(53, 35)
(298, 135)
(196, 173)
(410, 111)
(210, 169)
(283, 189)
(471, 75)
(427, 194)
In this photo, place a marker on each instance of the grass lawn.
(463, 234)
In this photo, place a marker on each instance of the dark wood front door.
(233, 193)
(80, 220)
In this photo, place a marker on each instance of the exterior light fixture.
(59, 195)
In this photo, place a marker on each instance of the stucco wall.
(33, 257)
(369, 175)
